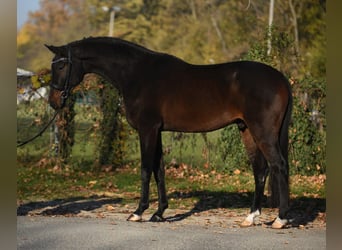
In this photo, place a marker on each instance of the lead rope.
(20, 143)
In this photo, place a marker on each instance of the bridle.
(65, 92)
(66, 89)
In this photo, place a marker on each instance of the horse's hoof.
(157, 218)
(250, 219)
(246, 223)
(134, 217)
(279, 223)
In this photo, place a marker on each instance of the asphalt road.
(202, 232)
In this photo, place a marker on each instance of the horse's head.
(66, 73)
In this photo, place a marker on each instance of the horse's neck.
(116, 71)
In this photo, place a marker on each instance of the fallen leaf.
(92, 183)
(237, 171)
(110, 208)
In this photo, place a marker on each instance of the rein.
(65, 92)
(20, 143)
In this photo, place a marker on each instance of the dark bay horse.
(163, 93)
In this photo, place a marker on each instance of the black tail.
(284, 145)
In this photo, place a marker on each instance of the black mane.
(112, 41)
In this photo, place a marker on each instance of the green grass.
(44, 183)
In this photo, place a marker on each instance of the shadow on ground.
(66, 206)
(303, 209)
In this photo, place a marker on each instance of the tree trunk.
(66, 129)
(295, 26)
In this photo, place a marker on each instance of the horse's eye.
(61, 66)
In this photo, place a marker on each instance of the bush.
(111, 144)
(308, 127)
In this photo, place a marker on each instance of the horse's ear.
(53, 49)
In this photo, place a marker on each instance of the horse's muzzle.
(55, 99)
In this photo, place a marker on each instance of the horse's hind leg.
(279, 170)
(260, 170)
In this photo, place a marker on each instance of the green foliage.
(312, 30)
(282, 57)
(232, 150)
(308, 128)
(113, 134)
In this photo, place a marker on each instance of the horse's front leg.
(151, 158)
(144, 196)
(159, 176)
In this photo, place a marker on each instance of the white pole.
(270, 22)
(111, 23)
